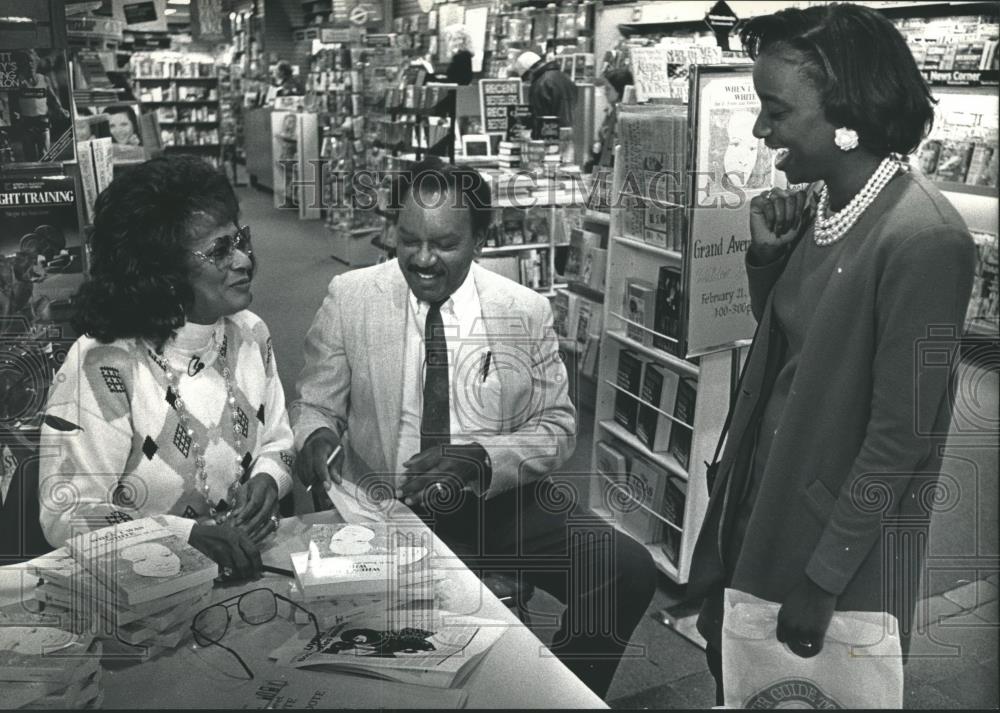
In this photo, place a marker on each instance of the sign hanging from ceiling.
(722, 20)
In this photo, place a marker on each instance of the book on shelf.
(142, 560)
(982, 166)
(512, 227)
(670, 543)
(594, 268)
(643, 487)
(640, 296)
(667, 312)
(610, 461)
(629, 381)
(591, 354)
(580, 241)
(537, 228)
(35, 108)
(674, 500)
(680, 433)
(953, 165)
(659, 389)
(424, 646)
(565, 309)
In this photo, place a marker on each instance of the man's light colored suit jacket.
(352, 380)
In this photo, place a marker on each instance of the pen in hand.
(329, 460)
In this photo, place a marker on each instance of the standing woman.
(171, 403)
(824, 456)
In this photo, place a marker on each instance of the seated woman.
(171, 403)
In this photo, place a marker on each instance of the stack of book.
(135, 581)
(509, 155)
(44, 667)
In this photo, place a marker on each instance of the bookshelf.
(186, 98)
(659, 405)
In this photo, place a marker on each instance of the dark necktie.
(435, 421)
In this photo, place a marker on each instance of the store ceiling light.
(169, 11)
(178, 2)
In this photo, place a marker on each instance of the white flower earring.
(846, 139)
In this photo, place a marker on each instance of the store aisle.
(665, 670)
(294, 268)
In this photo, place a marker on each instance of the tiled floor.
(670, 671)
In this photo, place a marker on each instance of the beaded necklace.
(184, 417)
(831, 228)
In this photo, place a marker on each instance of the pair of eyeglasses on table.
(258, 606)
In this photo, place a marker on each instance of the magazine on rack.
(422, 646)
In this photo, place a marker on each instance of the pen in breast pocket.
(329, 460)
(486, 364)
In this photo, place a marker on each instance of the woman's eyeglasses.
(222, 250)
(258, 606)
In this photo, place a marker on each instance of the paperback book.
(142, 561)
(422, 646)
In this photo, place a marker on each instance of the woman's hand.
(234, 552)
(776, 218)
(256, 502)
(804, 617)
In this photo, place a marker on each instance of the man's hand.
(234, 552)
(310, 465)
(804, 617)
(776, 218)
(256, 502)
(441, 472)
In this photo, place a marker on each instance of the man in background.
(551, 91)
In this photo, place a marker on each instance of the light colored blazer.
(352, 380)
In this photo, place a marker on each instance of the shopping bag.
(860, 666)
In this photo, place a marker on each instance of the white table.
(518, 672)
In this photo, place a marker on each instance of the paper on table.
(353, 504)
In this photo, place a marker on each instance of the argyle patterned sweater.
(112, 444)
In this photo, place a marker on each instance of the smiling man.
(443, 383)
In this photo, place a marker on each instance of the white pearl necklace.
(831, 228)
(201, 470)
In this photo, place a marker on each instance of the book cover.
(429, 647)
(680, 434)
(629, 378)
(104, 162)
(35, 120)
(585, 314)
(142, 560)
(643, 486)
(954, 162)
(979, 165)
(512, 222)
(639, 304)
(667, 317)
(536, 224)
(674, 500)
(670, 543)
(659, 390)
(373, 558)
(88, 179)
(560, 312)
(591, 354)
(45, 653)
(610, 461)
(595, 261)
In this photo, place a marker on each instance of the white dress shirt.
(474, 402)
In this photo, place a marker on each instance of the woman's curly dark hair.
(862, 66)
(139, 282)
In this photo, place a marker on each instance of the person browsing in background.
(847, 280)
(288, 84)
(443, 383)
(614, 82)
(551, 91)
(171, 403)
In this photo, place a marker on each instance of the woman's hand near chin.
(776, 221)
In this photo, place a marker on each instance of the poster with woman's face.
(123, 122)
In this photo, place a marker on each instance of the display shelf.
(179, 102)
(655, 249)
(658, 355)
(516, 248)
(664, 460)
(177, 80)
(660, 559)
(625, 494)
(586, 291)
(643, 402)
(192, 146)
